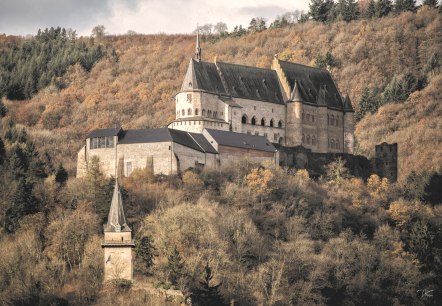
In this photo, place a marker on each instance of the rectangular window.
(275, 137)
(128, 168)
(102, 142)
(189, 98)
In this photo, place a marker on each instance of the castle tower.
(322, 121)
(349, 126)
(386, 160)
(118, 242)
(293, 132)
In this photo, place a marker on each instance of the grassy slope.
(136, 91)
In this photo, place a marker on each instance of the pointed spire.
(198, 48)
(347, 104)
(296, 93)
(116, 221)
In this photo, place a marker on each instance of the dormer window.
(190, 84)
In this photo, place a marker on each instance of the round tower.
(349, 126)
(293, 129)
(322, 122)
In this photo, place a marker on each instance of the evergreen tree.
(175, 266)
(22, 203)
(3, 109)
(430, 3)
(320, 9)
(347, 10)
(383, 8)
(18, 163)
(61, 175)
(208, 294)
(2, 151)
(367, 104)
(371, 9)
(145, 253)
(404, 5)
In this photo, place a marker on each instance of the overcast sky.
(22, 17)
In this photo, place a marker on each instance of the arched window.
(244, 119)
(272, 123)
(314, 140)
(178, 114)
(281, 139)
(197, 112)
(328, 122)
(303, 117)
(313, 118)
(183, 112)
(209, 113)
(253, 120)
(204, 112)
(189, 112)
(215, 114)
(308, 117)
(308, 139)
(280, 124)
(263, 122)
(332, 120)
(303, 138)
(337, 120)
(332, 144)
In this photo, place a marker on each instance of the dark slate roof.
(203, 76)
(104, 132)
(251, 83)
(203, 143)
(239, 140)
(184, 138)
(310, 81)
(190, 140)
(145, 136)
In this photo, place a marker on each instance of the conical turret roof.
(116, 221)
(296, 93)
(347, 104)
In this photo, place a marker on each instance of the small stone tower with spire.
(294, 118)
(118, 242)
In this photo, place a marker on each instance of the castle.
(227, 112)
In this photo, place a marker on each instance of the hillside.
(136, 88)
(255, 235)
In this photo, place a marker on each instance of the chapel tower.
(118, 242)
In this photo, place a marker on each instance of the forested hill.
(381, 61)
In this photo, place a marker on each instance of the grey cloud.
(268, 11)
(27, 16)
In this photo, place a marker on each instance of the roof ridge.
(252, 67)
(307, 66)
(196, 142)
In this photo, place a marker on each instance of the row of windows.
(102, 142)
(276, 136)
(309, 139)
(198, 123)
(332, 120)
(334, 144)
(306, 117)
(254, 121)
(209, 113)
